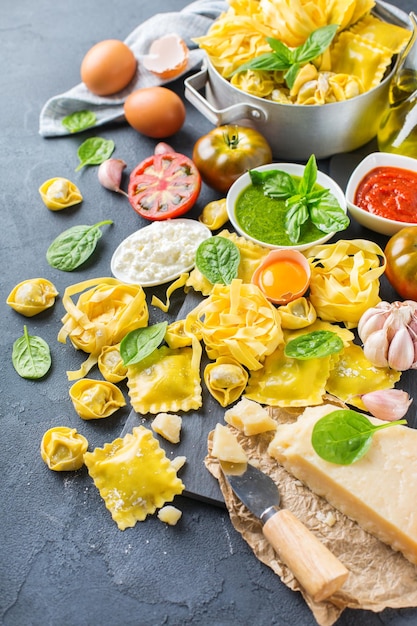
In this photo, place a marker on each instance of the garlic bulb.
(387, 404)
(388, 332)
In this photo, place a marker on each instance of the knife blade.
(315, 567)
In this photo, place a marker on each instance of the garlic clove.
(376, 346)
(387, 404)
(110, 174)
(371, 321)
(401, 350)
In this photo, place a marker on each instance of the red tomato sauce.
(389, 192)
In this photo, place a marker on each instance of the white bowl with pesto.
(261, 219)
(158, 253)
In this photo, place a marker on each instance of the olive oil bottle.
(398, 128)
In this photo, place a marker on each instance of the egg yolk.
(280, 281)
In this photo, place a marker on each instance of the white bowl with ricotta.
(158, 253)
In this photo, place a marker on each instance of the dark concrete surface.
(63, 561)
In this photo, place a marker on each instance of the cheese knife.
(317, 569)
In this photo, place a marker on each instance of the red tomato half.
(164, 185)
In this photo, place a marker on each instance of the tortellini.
(32, 296)
(225, 379)
(110, 364)
(214, 214)
(59, 193)
(96, 399)
(63, 449)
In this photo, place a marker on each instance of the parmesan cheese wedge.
(379, 491)
(250, 417)
(226, 446)
(168, 426)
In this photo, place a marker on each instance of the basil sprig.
(31, 356)
(94, 151)
(79, 120)
(303, 200)
(290, 60)
(74, 246)
(218, 259)
(345, 436)
(314, 345)
(141, 342)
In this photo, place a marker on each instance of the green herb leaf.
(141, 342)
(218, 259)
(74, 246)
(297, 214)
(276, 183)
(344, 436)
(94, 151)
(327, 215)
(284, 58)
(79, 120)
(31, 356)
(309, 177)
(314, 345)
(315, 44)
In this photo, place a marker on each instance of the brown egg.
(155, 111)
(108, 67)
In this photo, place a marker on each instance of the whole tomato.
(401, 268)
(227, 152)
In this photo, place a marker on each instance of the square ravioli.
(134, 476)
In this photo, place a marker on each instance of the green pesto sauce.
(263, 218)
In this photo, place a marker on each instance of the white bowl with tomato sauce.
(381, 193)
(251, 219)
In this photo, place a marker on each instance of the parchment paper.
(379, 577)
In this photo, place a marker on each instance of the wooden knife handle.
(317, 569)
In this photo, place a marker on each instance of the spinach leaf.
(141, 342)
(314, 345)
(31, 356)
(218, 259)
(344, 436)
(79, 120)
(94, 151)
(290, 60)
(74, 246)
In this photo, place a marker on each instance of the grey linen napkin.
(193, 21)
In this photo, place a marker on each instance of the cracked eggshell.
(167, 57)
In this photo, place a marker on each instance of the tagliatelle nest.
(237, 321)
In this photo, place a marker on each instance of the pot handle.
(193, 85)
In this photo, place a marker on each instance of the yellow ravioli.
(134, 476)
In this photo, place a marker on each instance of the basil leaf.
(314, 345)
(284, 58)
(276, 183)
(141, 342)
(344, 436)
(31, 356)
(296, 215)
(309, 177)
(94, 151)
(315, 44)
(268, 62)
(218, 259)
(281, 52)
(79, 120)
(327, 215)
(74, 246)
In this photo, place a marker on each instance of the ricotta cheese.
(379, 491)
(158, 253)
